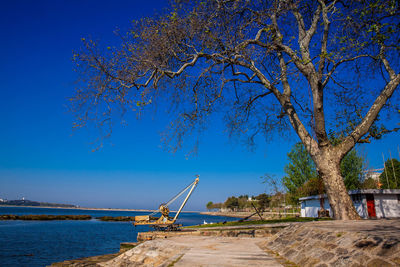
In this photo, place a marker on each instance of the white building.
(373, 173)
(369, 203)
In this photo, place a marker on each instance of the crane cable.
(174, 198)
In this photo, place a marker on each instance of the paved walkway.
(222, 251)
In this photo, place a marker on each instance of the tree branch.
(285, 82)
(385, 62)
(289, 109)
(370, 117)
(305, 36)
(337, 64)
(324, 42)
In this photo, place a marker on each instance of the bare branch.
(324, 42)
(251, 100)
(172, 74)
(337, 64)
(305, 36)
(369, 118)
(391, 72)
(285, 82)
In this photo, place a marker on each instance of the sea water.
(40, 243)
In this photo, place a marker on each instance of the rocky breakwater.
(336, 243)
(263, 230)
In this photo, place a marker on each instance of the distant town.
(25, 202)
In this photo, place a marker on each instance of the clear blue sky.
(42, 159)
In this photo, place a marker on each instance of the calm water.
(40, 243)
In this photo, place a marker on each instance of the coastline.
(76, 208)
(104, 209)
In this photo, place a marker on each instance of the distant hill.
(23, 202)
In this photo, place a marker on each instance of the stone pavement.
(196, 251)
(223, 251)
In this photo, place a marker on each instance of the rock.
(341, 251)
(327, 256)
(379, 263)
(337, 243)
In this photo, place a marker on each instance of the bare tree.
(318, 67)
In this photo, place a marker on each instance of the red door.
(371, 205)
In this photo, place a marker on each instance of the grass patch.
(127, 246)
(237, 223)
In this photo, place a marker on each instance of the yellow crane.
(164, 222)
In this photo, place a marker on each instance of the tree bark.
(328, 165)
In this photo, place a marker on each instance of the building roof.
(359, 191)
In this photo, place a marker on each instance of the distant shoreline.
(85, 208)
(76, 208)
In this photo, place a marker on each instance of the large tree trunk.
(341, 204)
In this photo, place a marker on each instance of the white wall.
(361, 207)
(387, 206)
(303, 210)
(309, 208)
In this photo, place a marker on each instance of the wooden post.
(257, 211)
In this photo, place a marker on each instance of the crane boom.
(196, 181)
(164, 222)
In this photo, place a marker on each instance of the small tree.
(369, 183)
(390, 177)
(232, 203)
(313, 186)
(351, 168)
(263, 201)
(243, 202)
(210, 205)
(217, 206)
(299, 170)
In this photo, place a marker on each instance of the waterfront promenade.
(196, 251)
(324, 243)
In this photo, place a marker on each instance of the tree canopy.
(299, 170)
(352, 170)
(232, 203)
(267, 66)
(302, 178)
(390, 178)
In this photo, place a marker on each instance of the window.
(398, 198)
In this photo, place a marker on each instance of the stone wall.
(265, 231)
(308, 245)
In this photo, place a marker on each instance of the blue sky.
(42, 159)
